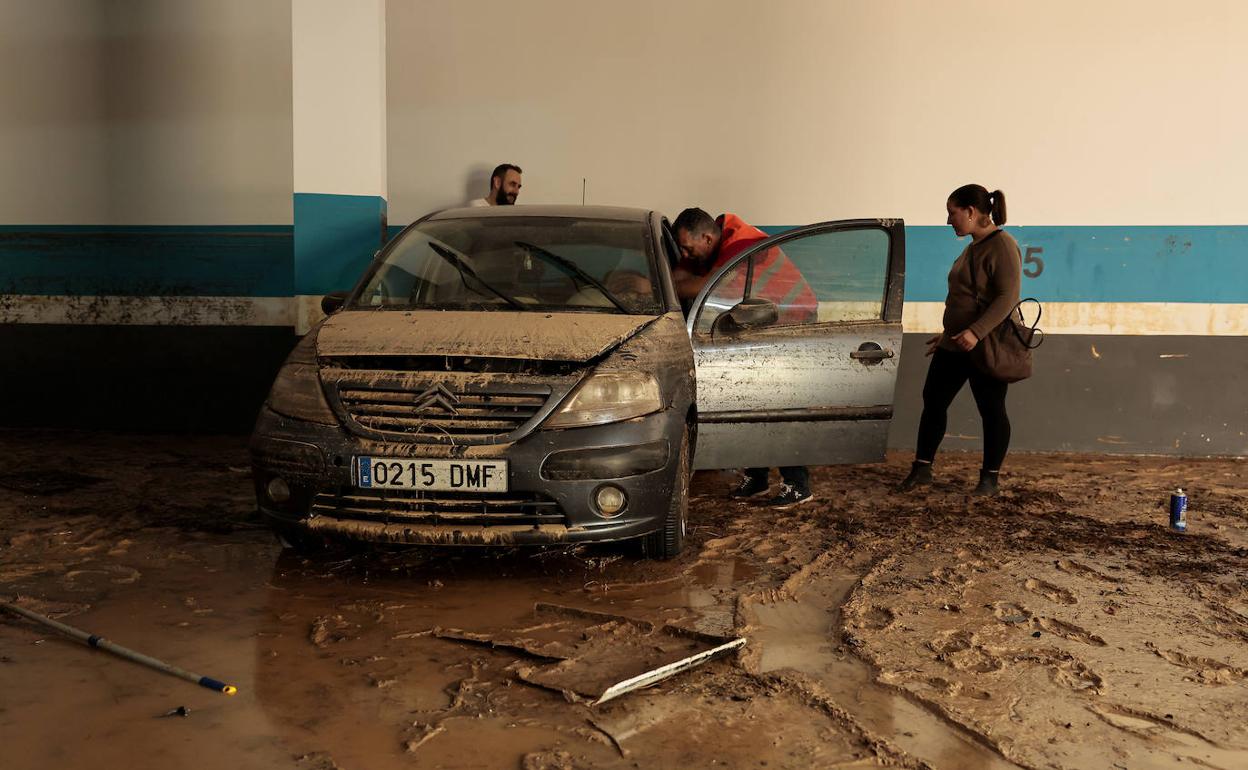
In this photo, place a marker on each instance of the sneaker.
(789, 497)
(920, 476)
(987, 486)
(750, 486)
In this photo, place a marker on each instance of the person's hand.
(932, 344)
(966, 341)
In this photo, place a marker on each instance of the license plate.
(435, 475)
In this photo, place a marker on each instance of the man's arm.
(688, 283)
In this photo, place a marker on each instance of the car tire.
(668, 542)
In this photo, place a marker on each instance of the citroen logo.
(437, 397)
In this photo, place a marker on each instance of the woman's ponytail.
(998, 207)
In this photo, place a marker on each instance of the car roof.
(617, 213)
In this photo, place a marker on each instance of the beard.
(502, 198)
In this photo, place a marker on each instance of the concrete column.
(339, 88)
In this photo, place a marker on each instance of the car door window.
(826, 277)
(727, 292)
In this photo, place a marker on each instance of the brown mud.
(543, 336)
(1058, 626)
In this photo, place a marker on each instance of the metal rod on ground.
(663, 672)
(100, 642)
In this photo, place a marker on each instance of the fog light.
(278, 490)
(610, 500)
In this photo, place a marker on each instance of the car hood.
(539, 336)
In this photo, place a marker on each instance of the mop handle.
(101, 643)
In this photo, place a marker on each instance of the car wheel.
(668, 542)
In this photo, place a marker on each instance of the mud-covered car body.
(526, 374)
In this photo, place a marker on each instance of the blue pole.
(99, 642)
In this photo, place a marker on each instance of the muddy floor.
(1058, 626)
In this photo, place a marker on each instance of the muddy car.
(526, 375)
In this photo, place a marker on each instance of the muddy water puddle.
(802, 634)
(334, 658)
(378, 658)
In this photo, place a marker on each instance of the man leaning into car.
(707, 244)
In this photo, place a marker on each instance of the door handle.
(870, 351)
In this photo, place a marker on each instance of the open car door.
(796, 343)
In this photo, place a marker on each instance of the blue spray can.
(1178, 511)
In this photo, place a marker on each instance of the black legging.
(946, 375)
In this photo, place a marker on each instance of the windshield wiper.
(450, 256)
(576, 270)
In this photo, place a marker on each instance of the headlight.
(297, 390)
(608, 397)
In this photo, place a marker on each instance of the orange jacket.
(736, 236)
(775, 276)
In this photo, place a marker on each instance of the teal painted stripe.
(336, 235)
(149, 261)
(335, 238)
(1207, 264)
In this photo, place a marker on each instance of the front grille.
(436, 414)
(474, 364)
(439, 508)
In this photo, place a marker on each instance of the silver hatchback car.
(526, 375)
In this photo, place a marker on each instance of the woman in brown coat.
(984, 285)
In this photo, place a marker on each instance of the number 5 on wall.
(1034, 262)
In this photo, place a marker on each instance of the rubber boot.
(920, 476)
(987, 486)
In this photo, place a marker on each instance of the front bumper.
(317, 462)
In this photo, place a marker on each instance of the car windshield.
(517, 263)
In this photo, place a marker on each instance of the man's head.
(697, 234)
(505, 185)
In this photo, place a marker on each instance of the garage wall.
(1113, 128)
(146, 112)
(145, 210)
(799, 110)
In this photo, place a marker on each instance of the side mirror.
(753, 312)
(331, 303)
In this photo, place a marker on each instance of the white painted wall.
(790, 111)
(156, 112)
(339, 83)
(145, 112)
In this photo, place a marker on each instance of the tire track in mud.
(1152, 728)
(1083, 570)
(1068, 631)
(794, 630)
(1053, 593)
(1207, 670)
(978, 650)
